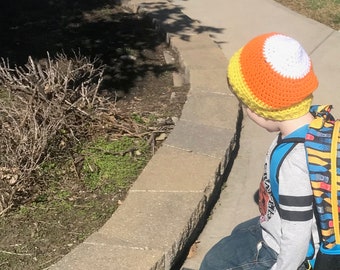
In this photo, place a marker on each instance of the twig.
(151, 142)
(49, 261)
(14, 253)
(3, 263)
(122, 153)
(6, 209)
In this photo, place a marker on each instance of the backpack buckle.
(307, 265)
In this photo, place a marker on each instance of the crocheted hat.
(273, 76)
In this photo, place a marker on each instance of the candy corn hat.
(273, 76)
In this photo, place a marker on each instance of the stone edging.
(170, 201)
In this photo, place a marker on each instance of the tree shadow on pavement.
(175, 22)
(91, 28)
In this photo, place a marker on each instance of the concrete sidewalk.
(171, 200)
(236, 203)
(241, 20)
(233, 23)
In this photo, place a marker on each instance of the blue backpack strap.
(279, 153)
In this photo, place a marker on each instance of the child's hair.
(273, 76)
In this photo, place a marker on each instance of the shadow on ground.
(176, 22)
(95, 28)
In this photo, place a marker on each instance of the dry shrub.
(43, 106)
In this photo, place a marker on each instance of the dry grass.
(324, 11)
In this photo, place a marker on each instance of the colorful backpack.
(322, 142)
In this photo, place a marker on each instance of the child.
(273, 78)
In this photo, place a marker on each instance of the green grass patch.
(113, 165)
(316, 4)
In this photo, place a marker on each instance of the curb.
(169, 203)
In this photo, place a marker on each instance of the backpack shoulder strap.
(335, 175)
(279, 153)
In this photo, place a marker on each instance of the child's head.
(273, 76)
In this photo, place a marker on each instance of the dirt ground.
(39, 233)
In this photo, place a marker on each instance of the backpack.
(322, 143)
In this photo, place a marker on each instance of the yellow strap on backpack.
(334, 188)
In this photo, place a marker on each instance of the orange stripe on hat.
(274, 87)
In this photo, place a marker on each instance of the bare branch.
(44, 98)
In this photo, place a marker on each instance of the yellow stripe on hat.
(239, 85)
